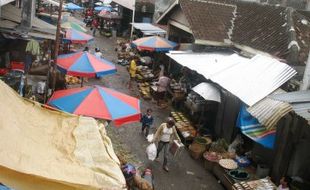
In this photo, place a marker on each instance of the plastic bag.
(151, 151)
(150, 138)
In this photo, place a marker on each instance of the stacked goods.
(177, 89)
(229, 164)
(144, 73)
(264, 184)
(195, 102)
(145, 90)
(211, 158)
(183, 125)
(198, 147)
(239, 175)
(72, 80)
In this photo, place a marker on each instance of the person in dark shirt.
(147, 121)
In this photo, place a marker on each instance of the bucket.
(196, 151)
(262, 171)
(209, 165)
(199, 146)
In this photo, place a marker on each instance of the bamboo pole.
(57, 42)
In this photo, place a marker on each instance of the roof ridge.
(214, 2)
(231, 29)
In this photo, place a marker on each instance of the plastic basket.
(17, 65)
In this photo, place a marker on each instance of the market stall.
(109, 22)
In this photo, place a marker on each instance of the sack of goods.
(151, 151)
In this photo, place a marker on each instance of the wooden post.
(82, 81)
(133, 20)
(306, 79)
(57, 40)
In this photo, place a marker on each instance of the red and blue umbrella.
(154, 43)
(76, 37)
(98, 102)
(84, 64)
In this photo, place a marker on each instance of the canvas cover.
(45, 149)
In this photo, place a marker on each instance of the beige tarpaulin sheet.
(49, 150)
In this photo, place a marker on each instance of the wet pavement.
(185, 173)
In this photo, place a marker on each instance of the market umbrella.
(106, 8)
(77, 27)
(73, 7)
(98, 102)
(77, 37)
(84, 64)
(154, 43)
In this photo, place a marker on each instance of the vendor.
(163, 83)
(285, 183)
(185, 80)
(132, 70)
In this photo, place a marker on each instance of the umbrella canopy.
(154, 43)
(208, 91)
(77, 27)
(98, 102)
(72, 6)
(77, 37)
(84, 64)
(100, 8)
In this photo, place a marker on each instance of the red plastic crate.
(17, 65)
(3, 71)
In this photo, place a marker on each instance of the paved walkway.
(185, 173)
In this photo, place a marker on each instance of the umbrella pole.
(82, 81)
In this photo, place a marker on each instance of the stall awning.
(208, 91)
(4, 2)
(250, 127)
(148, 29)
(249, 79)
(12, 13)
(64, 152)
(9, 27)
(129, 4)
(269, 111)
(51, 2)
(299, 100)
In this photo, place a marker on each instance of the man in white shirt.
(98, 54)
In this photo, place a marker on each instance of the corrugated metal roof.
(129, 4)
(299, 100)
(249, 79)
(4, 2)
(148, 28)
(293, 97)
(52, 2)
(10, 26)
(268, 111)
(12, 13)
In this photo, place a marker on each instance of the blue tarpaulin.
(2, 187)
(72, 6)
(250, 127)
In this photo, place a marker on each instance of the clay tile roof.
(258, 26)
(261, 27)
(209, 20)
